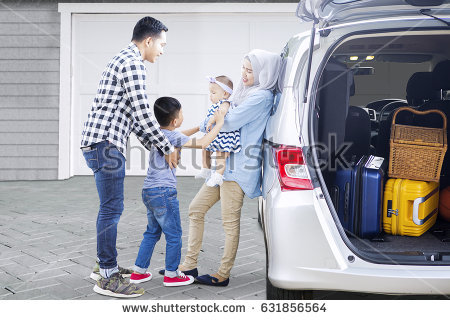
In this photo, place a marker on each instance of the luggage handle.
(421, 113)
(346, 201)
(416, 204)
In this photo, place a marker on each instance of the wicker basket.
(417, 153)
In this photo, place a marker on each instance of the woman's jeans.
(108, 165)
(163, 215)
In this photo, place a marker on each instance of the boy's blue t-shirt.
(159, 173)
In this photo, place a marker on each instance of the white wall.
(199, 44)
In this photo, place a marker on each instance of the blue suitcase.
(357, 194)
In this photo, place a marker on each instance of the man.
(119, 108)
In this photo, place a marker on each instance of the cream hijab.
(266, 67)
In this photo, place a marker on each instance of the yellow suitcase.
(410, 207)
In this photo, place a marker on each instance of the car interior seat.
(440, 84)
(418, 90)
(332, 106)
(357, 134)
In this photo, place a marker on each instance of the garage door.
(198, 45)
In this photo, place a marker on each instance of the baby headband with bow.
(220, 84)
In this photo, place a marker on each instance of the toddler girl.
(220, 89)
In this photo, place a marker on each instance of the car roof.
(338, 11)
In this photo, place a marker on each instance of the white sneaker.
(205, 173)
(216, 179)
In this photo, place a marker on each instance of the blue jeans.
(163, 215)
(108, 165)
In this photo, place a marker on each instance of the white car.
(368, 57)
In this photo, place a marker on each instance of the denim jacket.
(250, 117)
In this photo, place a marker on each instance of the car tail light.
(292, 170)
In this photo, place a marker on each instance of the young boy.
(159, 195)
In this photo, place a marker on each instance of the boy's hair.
(166, 109)
(147, 27)
(225, 80)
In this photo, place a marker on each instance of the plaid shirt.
(121, 106)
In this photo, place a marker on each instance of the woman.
(254, 100)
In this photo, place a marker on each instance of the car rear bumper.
(379, 280)
(306, 252)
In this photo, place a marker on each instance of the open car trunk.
(364, 81)
(329, 12)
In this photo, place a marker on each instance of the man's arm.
(145, 125)
(172, 158)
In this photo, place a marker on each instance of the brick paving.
(48, 242)
(48, 245)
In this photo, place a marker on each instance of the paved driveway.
(48, 242)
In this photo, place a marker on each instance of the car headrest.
(441, 75)
(420, 88)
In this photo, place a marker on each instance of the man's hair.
(147, 27)
(166, 109)
(225, 80)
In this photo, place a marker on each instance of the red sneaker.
(180, 280)
(138, 278)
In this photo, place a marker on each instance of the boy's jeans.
(108, 165)
(163, 215)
